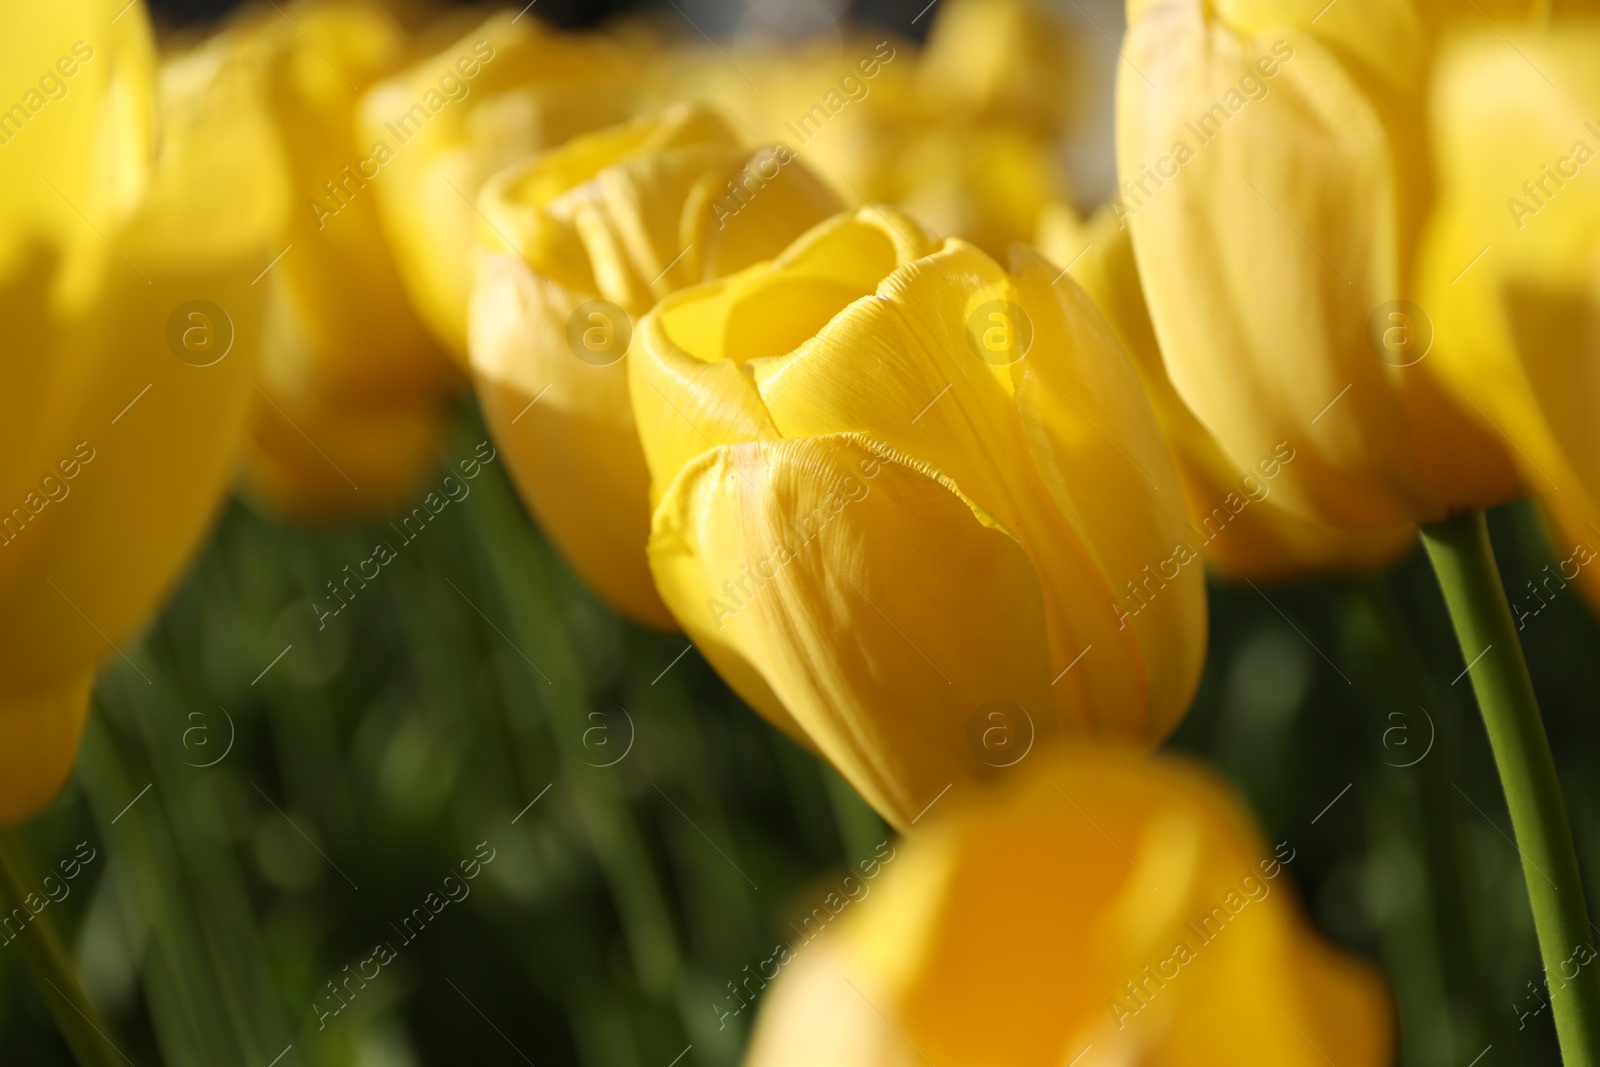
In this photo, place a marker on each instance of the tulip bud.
(1235, 520)
(1509, 268)
(352, 382)
(900, 489)
(1275, 181)
(448, 122)
(133, 342)
(578, 244)
(1125, 905)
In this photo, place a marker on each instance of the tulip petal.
(566, 429)
(39, 732)
(1305, 178)
(351, 333)
(78, 139)
(623, 216)
(1258, 354)
(1245, 533)
(867, 605)
(1101, 903)
(1513, 280)
(1083, 468)
(901, 366)
(317, 460)
(690, 392)
(127, 445)
(529, 88)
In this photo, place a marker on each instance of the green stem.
(1464, 562)
(48, 963)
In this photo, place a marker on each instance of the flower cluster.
(834, 379)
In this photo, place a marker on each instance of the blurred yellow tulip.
(125, 285)
(811, 89)
(1000, 61)
(1575, 546)
(442, 127)
(1511, 268)
(904, 494)
(1234, 519)
(962, 136)
(353, 384)
(578, 244)
(1103, 912)
(995, 89)
(989, 185)
(316, 453)
(1275, 179)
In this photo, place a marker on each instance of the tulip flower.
(353, 383)
(1275, 182)
(989, 185)
(809, 88)
(1576, 550)
(317, 454)
(1509, 279)
(1009, 62)
(579, 243)
(996, 87)
(1235, 519)
(963, 136)
(1510, 275)
(443, 126)
(125, 277)
(914, 507)
(1100, 911)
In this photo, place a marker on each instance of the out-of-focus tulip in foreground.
(1100, 912)
(902, 492)
(1511, 273)
(352, 383)
(1243, 530)
(1275, 177)
(579, 243)
(125, 269)
(448, 122)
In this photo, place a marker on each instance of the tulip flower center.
(773, 308)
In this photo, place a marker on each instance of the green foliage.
(354, 766)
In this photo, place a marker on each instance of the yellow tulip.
(579, 243)
(125, 284)
(995, 89)
(1510, 273)
(1234, 519)
(442, 127)
(1576, 549)
(1275, 181)
(353, 383)
(902, 491)
(961, 142)
(316, 454)
(811, 92)
(1102, 912)
(1000, 61)
(990, 185)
